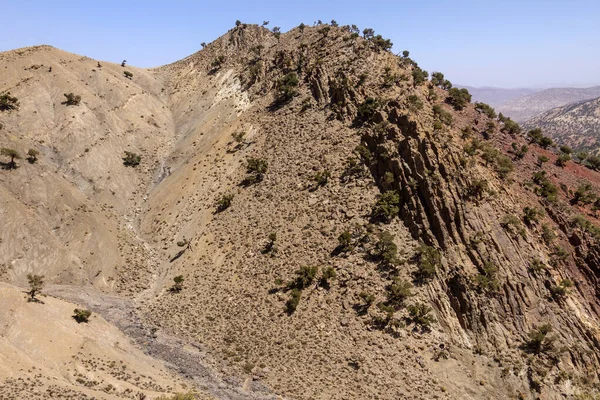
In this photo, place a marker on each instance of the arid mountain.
(576, 125)
(496, 97)
(524, 108)
(339, 228)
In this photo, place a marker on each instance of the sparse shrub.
(582, 156)
(531, 215)
(32, 155)
(519, 152)
(292, 303)
(546, 188)
(270, 246)
(485, 109)
(8, 102)
(414, 103)
(345, 242)
(512, 224)
(535, 136)
(178, 284)
(419, 76)
(386, 250)
(477, 189)
(36, 283)
(178, 396)
(128, 74)
(305, 276)
(487, 281)
(584, 194)
(560, 291)
(131, 159)
(286, 88)
(428, 260)
(224, 202)
(71, 99)
(81, 315)
(541, 160)
(548, 234)
(537, 265)
(364, 153)
(327, 275)
(398, 292)
(13, 154)
(217, 62)
(504, 166)
(322, 178)
(367, 298)
(442, 115)
(594, 162)
(366, 110)
(566, 149)
(256, 169)
(562, 159)
(459, 98)
(420, 315)
(539, 340)
(511, 127)
(387, 207)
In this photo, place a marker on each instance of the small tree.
(305, 276)
(81, 315)
(8, 102)
(292, 303)
(178, 284)
(36, 283)
(327, 275)
(270, 246)
(71, 99)
(203, 44)
(541, 160)
(539, 340)
(286, 88)
(128, 74)
(459, 98)
(13, 154)
(131, 159)
(32, 156)
(301, 27)
(387, 207)
(256, 168)
(123, 63)
(399, 291)
(386, 250)
(238, 23)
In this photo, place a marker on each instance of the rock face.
(343, 229)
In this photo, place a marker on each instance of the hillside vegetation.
(302, 215)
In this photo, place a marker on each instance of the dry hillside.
(576, 125)
(344, 228)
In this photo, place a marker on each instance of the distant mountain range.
(497, 96)
(524, 103)
(576, 125)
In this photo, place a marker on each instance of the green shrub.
(224, 202)
(485, 109)
(511, 127)
(8, 102)
(504, 166)
(442, 115)
(531, 215)
(364, 153)
(387, 207)
(322, 178)
(584, 194)
(367, 109)
(459, 98)
(560, 291)
(327, 275)
(32, 156)
(178, 396)
(535, 136)
(367, 299)
(548, 234)
(36, 283)
(487, 281)
(386, 250)
(512, 224)
(419, 76)
(519, 152)
(593, 162)
(292, 303)
(217, 62)
(286, 87)
(81, 315)
(305, 277)
(437, 79)
(131, 159)
(71, 99)
(128, 74)
(541, 160)
(539, 340)
(345, 242)
(562, 159)
(398, 291)
(428, 260)
(420, 315)
(178, 284)
(414, 103)
(256, 169)
(381, 43)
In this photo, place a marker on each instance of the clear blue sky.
(506, 43)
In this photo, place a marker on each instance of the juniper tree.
(13, 154)
(36, 283)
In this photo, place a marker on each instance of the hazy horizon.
(510, 44)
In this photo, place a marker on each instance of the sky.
(502, 43)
